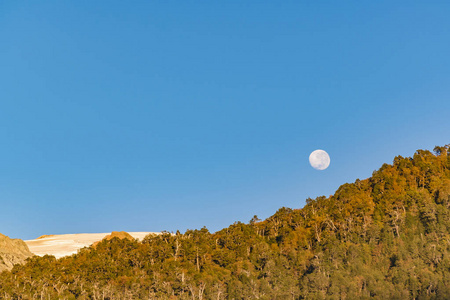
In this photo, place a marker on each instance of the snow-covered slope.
(68, 244)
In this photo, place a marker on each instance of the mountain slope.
(12, 251)
(61, 245)
(387, 236)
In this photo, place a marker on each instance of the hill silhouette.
(385, 237)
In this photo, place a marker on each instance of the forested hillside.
(386, 237)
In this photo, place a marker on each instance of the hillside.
(385, 237)
(12, 251)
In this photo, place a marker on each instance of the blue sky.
(166, 115)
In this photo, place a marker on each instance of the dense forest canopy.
(385, 237)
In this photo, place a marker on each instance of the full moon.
(319, 159)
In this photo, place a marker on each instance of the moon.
(319, 159)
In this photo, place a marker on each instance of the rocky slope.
(12, 251)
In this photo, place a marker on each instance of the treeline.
(386, 237)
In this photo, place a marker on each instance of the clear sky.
(166, 115)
